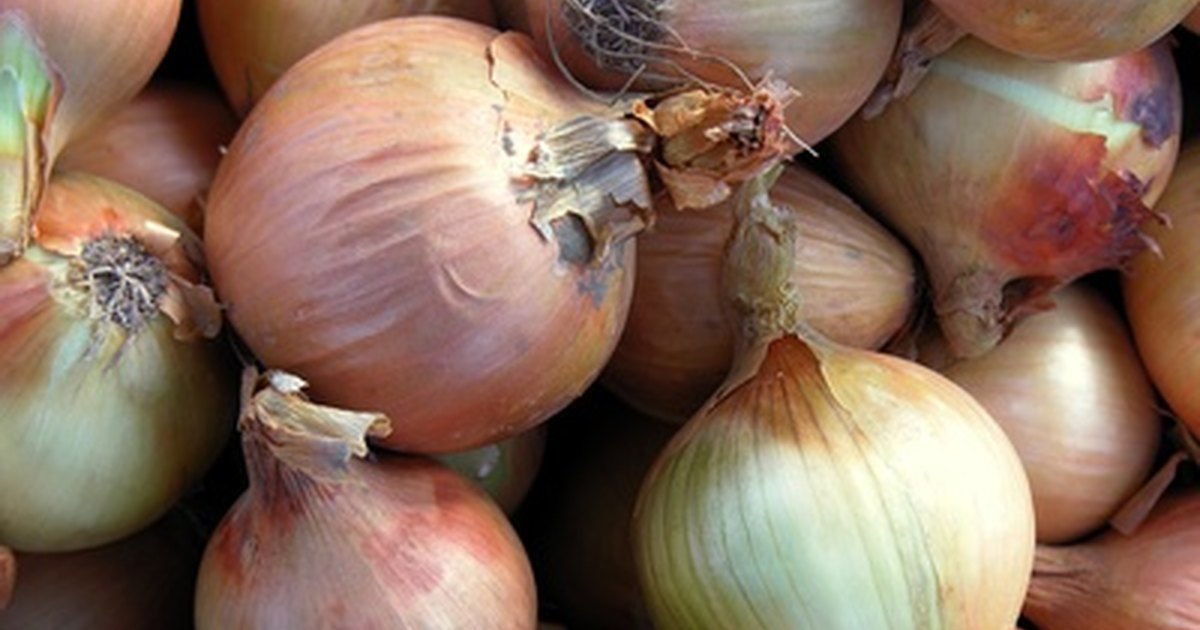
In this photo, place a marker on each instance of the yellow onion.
(114, 399)
(857, 280)
(329, 536)
(505, 470)
(1067, 29)
(251, 42)
(828, 487)
(145, 582)
(1148, 580)
(1162, 294)
(1011, 177)
(164, 144)
(67, 66)
(1070, 392)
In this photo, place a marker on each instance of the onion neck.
(1063, 577)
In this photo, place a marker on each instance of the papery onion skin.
(858, 283)
(100, 431)
(250, 43)
(400, 271)
(1011, 177)
(1066, 29)
(1162, 294)
(1070, 392)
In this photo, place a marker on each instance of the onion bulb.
(164, 144)
(1069, 390)
(1068, 29)
(857, 279)
(1162, 294)
(114, 398)
(828, 487)
(832, 52)
(251, 42)
(505, 470)
(1149, 580)
(1012, 177)
(328, 536)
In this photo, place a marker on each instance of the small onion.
(1011, 177)
(857, 280)
(1149, 580)
(328, 536)
(505, 470)
(827, 487)
(1069, 390)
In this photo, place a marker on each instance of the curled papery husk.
(165, 144)
(328, 536)
(1069, 390)
(505, 470)
(250, 43)
(1162, 294)
(459, 256)
(1068, 29)
(827, 487)
(832, 53)
(857, 280)
(114, 398)
(145, 582)
(1011, 177)
(1149, 580)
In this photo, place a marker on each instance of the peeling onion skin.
(857, 281)
(1012, 177)
(1162, 294)
(400, 271)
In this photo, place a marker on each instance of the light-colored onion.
(1011, 177)
(505, 470)
(857, 280)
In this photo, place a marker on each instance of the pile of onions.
(1011, 177)
(1068, 29)
(164, 144)
(857, 279)
(1149, 580)
(454, 258)
(251, 42)
(1162, 294)
(833, 53)
(1069, 390)
(114, 398)
(328, 535)
(828, 487)
(505, 470)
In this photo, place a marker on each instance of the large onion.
(1011, 177)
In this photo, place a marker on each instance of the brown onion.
(251, 42)
(505, 470)
(1069, 390)
(857, 280)
(1011, 177)
(328, 536)
(1148, 581)
(1192, 21)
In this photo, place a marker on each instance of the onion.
(1069, 390)
(828, 487)
(144, 582)
(1011, 177)
(164, 144)
(1067, 29)
(505, 470)
(1192, 21)
(857, 279)
(1148, 581)
(8, 575)
(1162, 294)
(113, 399)
(251, 42)
(327, 536)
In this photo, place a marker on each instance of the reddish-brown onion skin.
(1192, 21)
(367, 232)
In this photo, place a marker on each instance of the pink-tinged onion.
(505, 470)
(250, 43)
(1149, 580)
(857, 280)
(1069, 390)
(1012, 177)
(165, 144)
(328, 536)
(1162, 294)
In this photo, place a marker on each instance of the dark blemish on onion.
(1155, 113)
